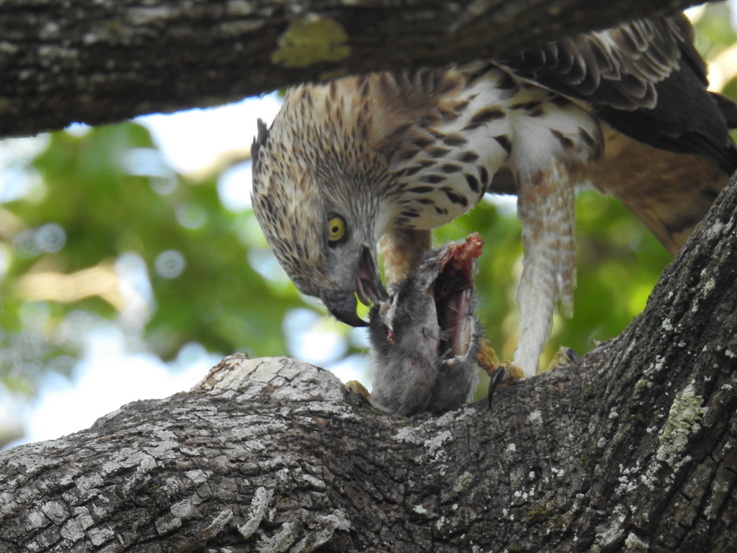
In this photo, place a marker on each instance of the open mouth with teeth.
(452, 291)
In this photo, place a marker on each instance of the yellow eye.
(336, 228)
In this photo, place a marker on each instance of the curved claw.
(499, 375)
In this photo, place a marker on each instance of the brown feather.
(669, 192)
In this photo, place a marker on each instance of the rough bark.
(633, 449)
(102, 61)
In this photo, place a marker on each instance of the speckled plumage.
(397, 154)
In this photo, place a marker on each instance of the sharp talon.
(499, 375)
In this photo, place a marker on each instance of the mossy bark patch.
(312, 40)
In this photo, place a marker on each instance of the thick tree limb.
(634, 449)
(105, 61)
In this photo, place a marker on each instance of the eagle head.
(319, 212)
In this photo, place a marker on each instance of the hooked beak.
(368, 287)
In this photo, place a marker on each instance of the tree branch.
(101, 62)
(632, 449)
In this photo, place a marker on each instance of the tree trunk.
(103, 61)
(632, 449)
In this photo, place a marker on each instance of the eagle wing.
(666, 148)
(645, 79)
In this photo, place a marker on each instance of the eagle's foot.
(562, 358)
(502, 373)
(355, 387)
(488, 360)
(487, 357)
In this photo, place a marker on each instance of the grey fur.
(413, 372)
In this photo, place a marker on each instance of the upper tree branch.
(100, 62)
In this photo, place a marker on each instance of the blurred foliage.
(104, 200)
(108, 232)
